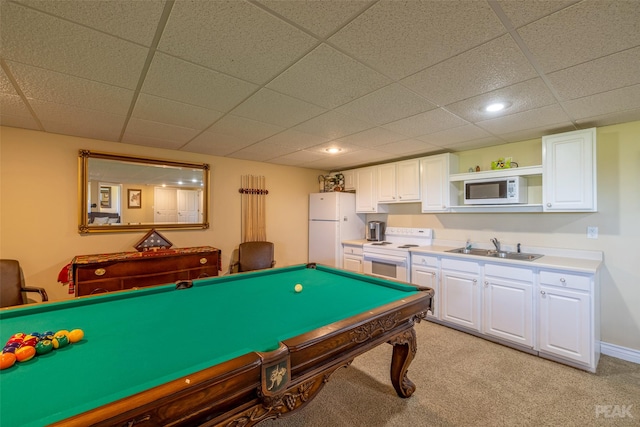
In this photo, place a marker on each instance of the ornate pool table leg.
(404, 350)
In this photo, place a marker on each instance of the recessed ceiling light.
(333, 150)
(496, 106)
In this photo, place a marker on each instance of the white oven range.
(390, 259)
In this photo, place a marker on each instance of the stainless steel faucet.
(496, 243)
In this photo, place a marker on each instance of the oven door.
(386, 266)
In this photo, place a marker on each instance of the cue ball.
(298, 287)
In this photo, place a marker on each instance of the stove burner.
(381, 243)
(408, 246)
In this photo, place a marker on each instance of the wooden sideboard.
(94, 274)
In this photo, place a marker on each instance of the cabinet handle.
(100, 272)
(486, 283)
(563, 281)
(542, 293)
(475, 281)
(548, 205)
(432, 273)
(203, 261)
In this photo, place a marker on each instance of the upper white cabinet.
(569, 175)
(349, 180)
(438, 193)
(399, 182)
(367, 190)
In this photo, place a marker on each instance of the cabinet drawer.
(137, 267)
(98, 287)
(424, 260)
(514, 273)
(456, 264)
(565, 280)
(353, 250)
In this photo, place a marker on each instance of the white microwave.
(496, 191)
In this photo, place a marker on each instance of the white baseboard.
(619, 352)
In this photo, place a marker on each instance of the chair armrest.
(234, 266)
(273, 263)
(41, 291)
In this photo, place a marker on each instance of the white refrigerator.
(332, 219)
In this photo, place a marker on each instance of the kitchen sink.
(495, 254)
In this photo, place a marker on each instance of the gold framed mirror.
(126, 193)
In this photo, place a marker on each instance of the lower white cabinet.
(568, 317)
(353, 259)
(507, 304)
(551, 311)
(460, 293)
(425, 272)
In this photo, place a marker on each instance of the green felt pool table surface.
(139, 339)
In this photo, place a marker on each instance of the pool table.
(231, 350)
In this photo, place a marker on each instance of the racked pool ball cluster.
(22, 347)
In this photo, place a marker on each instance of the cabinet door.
(387, 183)
(460, 299)
(425, 276)
(508, 310)
(353, 263)
(408, 181)
(437, 192)
(564, 323)
(569, 175)
(349, 180)
(366, 190)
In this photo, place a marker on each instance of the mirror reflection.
(125, 193)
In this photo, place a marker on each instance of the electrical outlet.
(592, 232)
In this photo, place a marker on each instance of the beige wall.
(38, 220)
(618, 221)
(39, 205)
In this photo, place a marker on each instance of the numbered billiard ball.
(7, 360)
(60, 341)
(44, 347)
(76, 335)
(25, 353)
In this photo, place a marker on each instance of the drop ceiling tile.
(610, 119)
(620, 100)
(399, 39)
(520, 13)
(583, 32)
(13, 112)
(344, 148)
(371, 137)
(294, 139)
(603, 74)
(426, 123)
(69, 120)
(161, 110)
(332, 125)
(297, 158)
(522, 96)
(493, 65)
(272, 107)
(51, 86)
(319, 17)
(160, 131)
(408, 147)
(150, 141)
(135, 21)
(215, 143)
(211, 33)
(261, 152)
(230, 134)
(530, 119)
(41, 40)
(456, 135)
(6, 86)
(328, 78)
(472, 145)
(386, 105)
(523, 135)
(182, 81)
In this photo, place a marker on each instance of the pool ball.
(9, 349)
(44, 347)
(76, 335)
(7, 360)
(60, 341)
(62, 332)
(25, 353)
(298, 287)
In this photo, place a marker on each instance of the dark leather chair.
(12, 285)
(253, 256)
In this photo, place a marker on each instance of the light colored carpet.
(463, 380)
